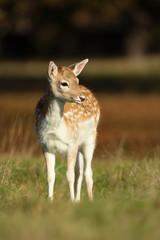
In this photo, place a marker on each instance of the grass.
(126, 201)
(128, 122)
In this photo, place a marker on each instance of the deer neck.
(55, 110)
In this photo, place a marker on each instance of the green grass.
(126, 201)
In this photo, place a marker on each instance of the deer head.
(64, 83)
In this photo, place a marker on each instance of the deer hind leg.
(88, 150)
(78, 176)
(50, 163)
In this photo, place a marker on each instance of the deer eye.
(64, 84)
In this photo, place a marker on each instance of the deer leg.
(50, 163)
(88, 150)
(78, 176)
(88, 171)
(71, 160)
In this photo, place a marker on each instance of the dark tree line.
(70, 28)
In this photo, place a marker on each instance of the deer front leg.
(78, 176)
(88, 150)
(50, 162)
(71, 160)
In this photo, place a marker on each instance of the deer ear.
(52, 70)
(78, 67)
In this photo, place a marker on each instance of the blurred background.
(63, 29)
(122, 41)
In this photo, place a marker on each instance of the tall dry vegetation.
(17, 123)
(129, 125)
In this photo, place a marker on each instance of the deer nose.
(82, 98)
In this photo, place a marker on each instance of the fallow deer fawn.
(66, 122)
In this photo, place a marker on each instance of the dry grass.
(129, 124)
(17, 123)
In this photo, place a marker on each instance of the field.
(129, 124)
(126, 201)
(126, 163)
